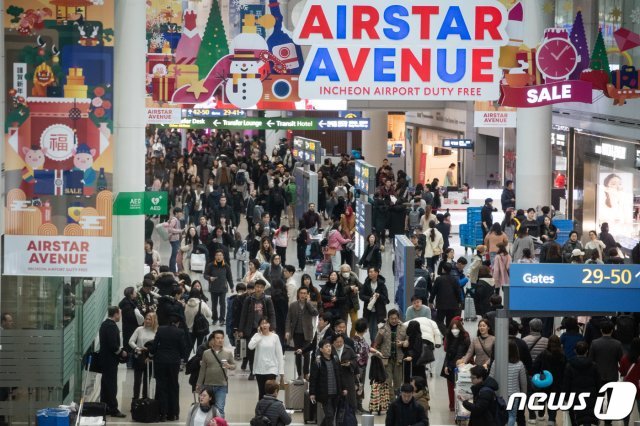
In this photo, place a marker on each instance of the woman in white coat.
(268, 359)
(433, 246)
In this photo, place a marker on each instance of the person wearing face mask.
(352, 287)
(456, 343)
(333, 296)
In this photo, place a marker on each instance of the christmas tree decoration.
(579, 40)
(599, 60)
(214, 42)
(626, 39)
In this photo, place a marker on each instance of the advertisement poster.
(615, 201)
(58, 143)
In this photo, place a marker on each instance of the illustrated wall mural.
(192, 60)
(58, 142)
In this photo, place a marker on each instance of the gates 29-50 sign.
(423, 50)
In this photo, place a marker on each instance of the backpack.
(257, 212)
(241, 179)
(414, 217)
(427, 196)
(200, 323)
(290, 192)
(261, 419)
(278, 200)
(500, 413)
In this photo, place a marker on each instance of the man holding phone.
(213, 369)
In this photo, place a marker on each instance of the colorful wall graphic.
(191, 60)
(58, 143)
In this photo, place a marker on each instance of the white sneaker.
(532, 421)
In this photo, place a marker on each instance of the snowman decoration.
(250, 52)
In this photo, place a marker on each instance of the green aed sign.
(141, 203)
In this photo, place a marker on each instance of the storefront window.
(607, 185)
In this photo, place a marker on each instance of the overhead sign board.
(365, 177)
(208, 112)
(270, 123)
(458, 143)
(574, 288)
(391, 50)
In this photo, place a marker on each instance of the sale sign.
(425, 50)
(58, 256)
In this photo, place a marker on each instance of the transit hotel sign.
(388, 49)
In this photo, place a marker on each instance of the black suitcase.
(309, 411)
(94, 409)
(146, 410)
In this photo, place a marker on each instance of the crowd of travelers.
(231, 297)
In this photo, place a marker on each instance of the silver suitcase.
(469, 309)
(294, 393)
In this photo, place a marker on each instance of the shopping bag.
(198, 261)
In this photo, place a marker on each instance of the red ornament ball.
(98, 91)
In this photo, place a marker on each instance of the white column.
(272, 137)
(533, 147)
(129, 128)
(374, 140)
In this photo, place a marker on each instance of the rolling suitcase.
(309, 411)
(469, 309)
(146, 410)
(294, 392)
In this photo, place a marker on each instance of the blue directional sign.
(574, 288)
(344, 124)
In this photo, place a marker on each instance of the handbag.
(198, 261)
(162, 231)
(427, 356)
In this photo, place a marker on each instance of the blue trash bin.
(53, 417)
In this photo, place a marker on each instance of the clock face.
(557, 58)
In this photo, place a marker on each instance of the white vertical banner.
(20, 79)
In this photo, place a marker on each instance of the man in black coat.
(110, 354)
(448, 297)
(128, 306)
(405, 411)
(169, 348)
(325, 385)
(486, 215)
(508, 197)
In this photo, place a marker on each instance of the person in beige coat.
(213, 369)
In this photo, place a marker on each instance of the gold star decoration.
(616, 13)
(198, 88)
(548, 7)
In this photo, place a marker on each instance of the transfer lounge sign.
(392, 50)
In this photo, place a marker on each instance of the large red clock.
(557, 58)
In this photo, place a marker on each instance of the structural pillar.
(533, 146)
(374, 140)
(129, 136)
(3, 108)
(272, 137)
